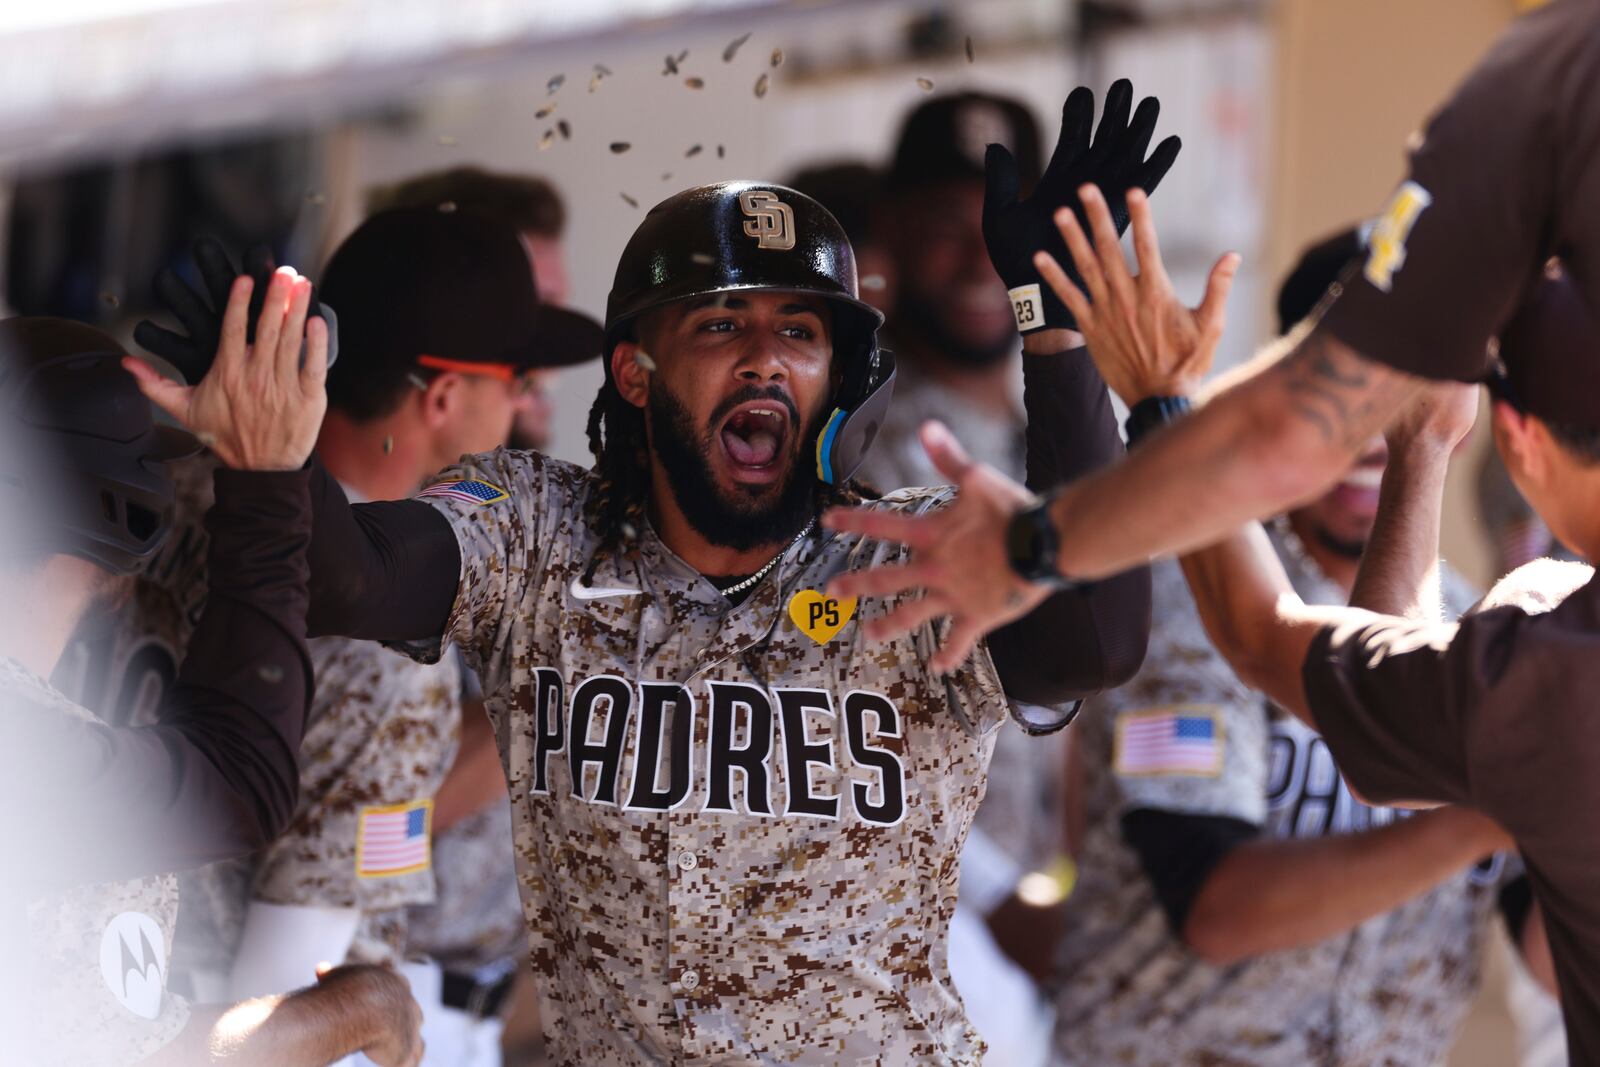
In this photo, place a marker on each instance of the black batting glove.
(1014, 229)
(199, 312)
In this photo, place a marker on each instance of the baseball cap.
(945, 139)
(451, 285)
(1319, 267)
(1550, 353)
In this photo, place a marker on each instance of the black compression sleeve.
(1084, 640)
(383, 572)
(217, 776)
(1179, 850)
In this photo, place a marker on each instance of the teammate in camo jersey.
(738, 817)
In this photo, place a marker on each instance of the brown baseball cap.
(453, 286)
(1549, 362)
(945, 139)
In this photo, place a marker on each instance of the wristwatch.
(1151, 412)
(1031, 546)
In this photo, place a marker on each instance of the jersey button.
(688, 861)
(689, 979)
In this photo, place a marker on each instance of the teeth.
(1364, 478)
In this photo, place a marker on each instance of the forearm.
(1279, 432)
(1084, 640)
(386, 571)
(1252, 613)
(1399, 573)
(307, 1027)
(1274, 895)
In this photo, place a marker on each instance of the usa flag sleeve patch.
(394, 839)
(1183, 740)
(470, 491)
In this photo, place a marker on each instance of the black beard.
(1344, 549)
(922, 320)
(741, 523)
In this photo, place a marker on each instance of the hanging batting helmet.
(738, 236)
(83, 462)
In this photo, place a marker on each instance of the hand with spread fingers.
(199, 311)
(1114, 161)
(257, 407)
(958, 556)
(1144, 340)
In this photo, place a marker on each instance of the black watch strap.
(1032, 544)
(1152, 412)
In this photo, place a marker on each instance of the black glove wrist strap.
(1152, 412)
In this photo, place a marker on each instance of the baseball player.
(472, 932)
(1236, 903)
(738, 819)
(1414, 710)
(436, 332)
(88, 922)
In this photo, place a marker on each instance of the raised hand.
(958, 556)
(199, 312)
(1144, 340)
(1114, 160)
(257, 407)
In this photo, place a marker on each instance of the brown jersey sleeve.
(1493, 190)
(1492, 712)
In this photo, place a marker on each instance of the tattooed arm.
(1273, 435)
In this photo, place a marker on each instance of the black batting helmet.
(84, 460)
(739, 236)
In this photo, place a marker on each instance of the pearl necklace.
(741, 586)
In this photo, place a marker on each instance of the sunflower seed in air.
(642, 359)
(970, 57)
(111, 300)
(666, 175)
(619, 147)
(594, 82)
(669, 68)
(777, 57)
(925, 84)
(555, 83)
(733, 48)
(447, 206)
(630, 200)
(544, 112)
(721, 152)
(602, 71)
(446, 140)
(694, 150)
(702, 258)
(873, 282)
(695, 83)
(388, 444)
(566, 129)
(547, 139)
(761, 86)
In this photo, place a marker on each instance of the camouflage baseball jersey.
(737, 826)
(1392, 991)
(380, 736)
(96, 958)
(475, 925)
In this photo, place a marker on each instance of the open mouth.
(753, 437)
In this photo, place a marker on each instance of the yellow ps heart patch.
(820, 617)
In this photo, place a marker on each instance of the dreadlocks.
(622, 472)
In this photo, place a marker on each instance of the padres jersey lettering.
(736, 843)
(749, 729)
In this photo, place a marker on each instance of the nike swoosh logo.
(599, 592)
